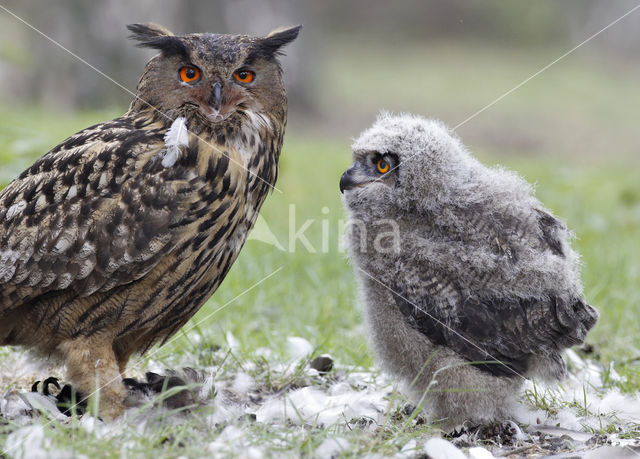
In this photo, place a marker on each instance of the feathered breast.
(102, 208)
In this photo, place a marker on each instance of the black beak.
(216, 95)
(347, 181)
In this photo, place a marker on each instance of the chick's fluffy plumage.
(111, 241)
(476, 286)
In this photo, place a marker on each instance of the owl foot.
(67, 399)
(157, 385)
(502, 433)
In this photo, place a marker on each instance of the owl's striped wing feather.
(96, 212)
(505, 333)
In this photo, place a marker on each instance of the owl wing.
(505, 334)
(507, 330)
(504, 232)
(95, 212)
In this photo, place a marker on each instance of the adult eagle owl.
(469, 283)
(112, 240)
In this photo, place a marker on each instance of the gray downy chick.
(469, 284)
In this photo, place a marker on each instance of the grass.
(584, 106)
(312, 293)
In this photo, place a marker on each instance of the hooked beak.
(347, 181)
(216, 96)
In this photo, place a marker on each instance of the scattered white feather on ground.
(232, 440)
(232, 342)
(331, 448)
(438, 448)
(38, 402)
(293, 400)
(298, 348)
(478, 452)
(593, 403)
(31, 442)
(310, 406)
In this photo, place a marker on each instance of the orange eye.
(244, 76)
(189, 74)
(383, 166)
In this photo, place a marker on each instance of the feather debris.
(176, 137)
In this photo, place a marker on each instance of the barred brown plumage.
(111, 241)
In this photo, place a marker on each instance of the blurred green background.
(573, 130)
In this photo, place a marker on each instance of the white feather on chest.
(176, 137)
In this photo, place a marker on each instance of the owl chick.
(112, 240)
(469, 283)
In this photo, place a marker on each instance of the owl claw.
(67, 399)
(45, 385)
(47, 382)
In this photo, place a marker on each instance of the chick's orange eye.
(244, 76)
(189, 74)
(383, 166)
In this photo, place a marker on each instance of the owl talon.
(70, 400)
(67, 399)
(47, 382)
(45, 385)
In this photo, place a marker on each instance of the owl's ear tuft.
(270, 45)
(145, 32)
(157, 37)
